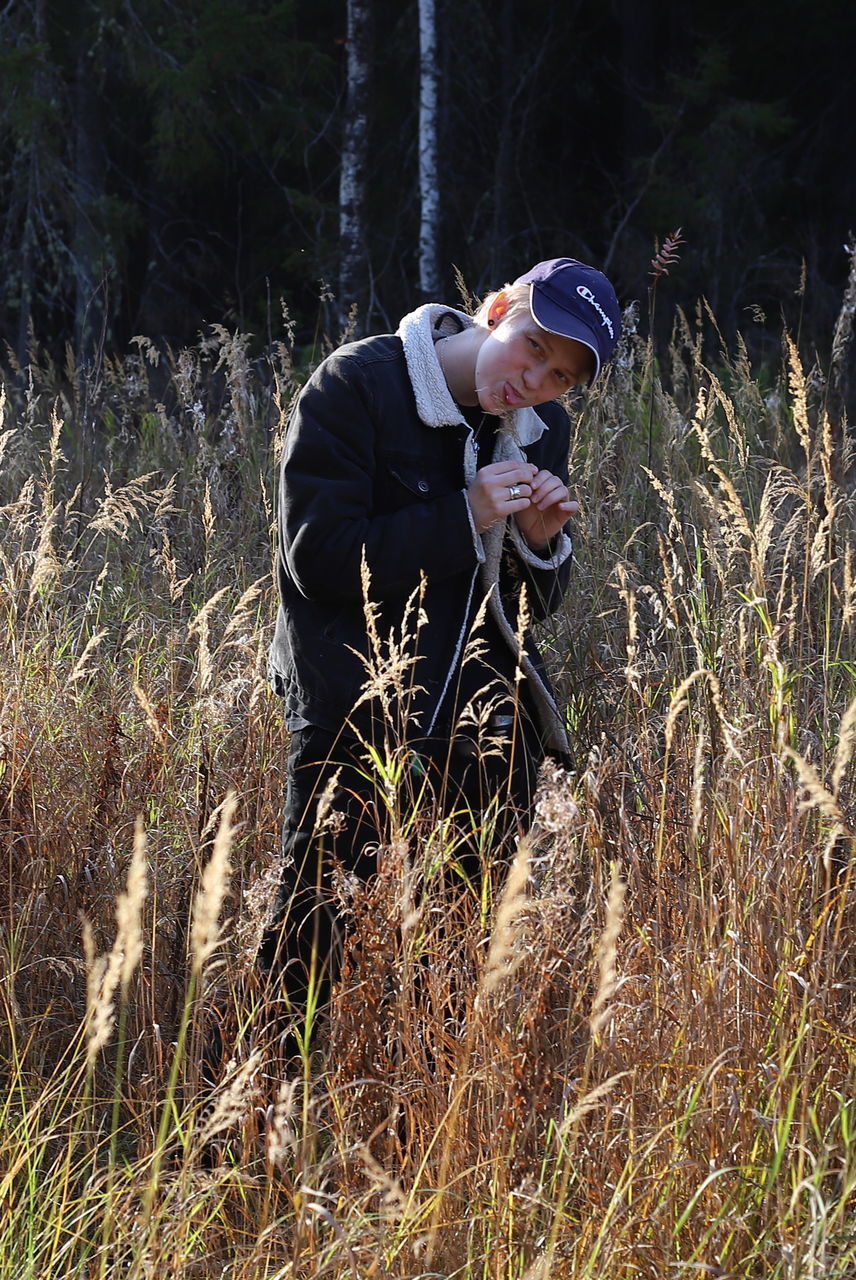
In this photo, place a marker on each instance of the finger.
(510, 471)
(545, 481)
(518, 495)
(550, 495)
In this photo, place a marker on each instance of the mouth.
(511, 396)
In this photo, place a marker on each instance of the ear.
(498, 308)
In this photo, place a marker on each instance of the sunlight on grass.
(633, 1059)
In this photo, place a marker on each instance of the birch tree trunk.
(429, 185)
(353, 264)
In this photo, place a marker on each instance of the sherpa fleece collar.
(418, 331)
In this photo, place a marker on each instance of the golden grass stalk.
(169, 567)
(390, 660)
(129, 908)
(231, 1102)
(844, 747)
(121, 509)
(82, 670)
(282, 1140)
(243, 613)
(632, 673)
(208, 518)
(151, 715)
(102, 979)
(6, 437)
(200, 627)
(590, 1101)
(208, 903)
(815, 794)
(799, 399)
(607, 952)
(504, 954)
(699, 780)
(679, 703)
(46, 565)
(116, 968)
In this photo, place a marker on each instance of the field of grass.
(634, 1057)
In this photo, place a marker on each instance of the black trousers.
(337, 814)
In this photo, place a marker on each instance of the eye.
(535, 345)
(562, 377)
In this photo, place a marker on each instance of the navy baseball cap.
(575, 301)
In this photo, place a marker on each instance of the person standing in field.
(423, 522)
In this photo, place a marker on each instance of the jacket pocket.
(405, 478)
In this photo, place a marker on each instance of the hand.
(490, 495)
(547, 510)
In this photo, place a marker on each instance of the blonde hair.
(518, 301)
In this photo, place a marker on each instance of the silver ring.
(514, 492)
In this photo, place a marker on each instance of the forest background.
(168, 164)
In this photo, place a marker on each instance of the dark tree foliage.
(169, 163)
(162, 161)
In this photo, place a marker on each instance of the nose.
(533, 376)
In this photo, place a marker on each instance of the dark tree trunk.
(29, 246)
(502, 221)
(90, 254)
(28, 269)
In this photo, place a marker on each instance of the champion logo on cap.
(586, 293)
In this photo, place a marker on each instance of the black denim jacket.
(367, 486)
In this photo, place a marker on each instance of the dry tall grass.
(637, 1062)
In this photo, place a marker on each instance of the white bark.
(353, 267)
(429, 185)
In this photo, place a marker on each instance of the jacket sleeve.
(546, 576)
(326, 505)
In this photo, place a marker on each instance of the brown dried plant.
(554, 1072)
(666, 255)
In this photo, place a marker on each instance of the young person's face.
(520, 364)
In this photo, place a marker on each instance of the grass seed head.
(208, 904)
